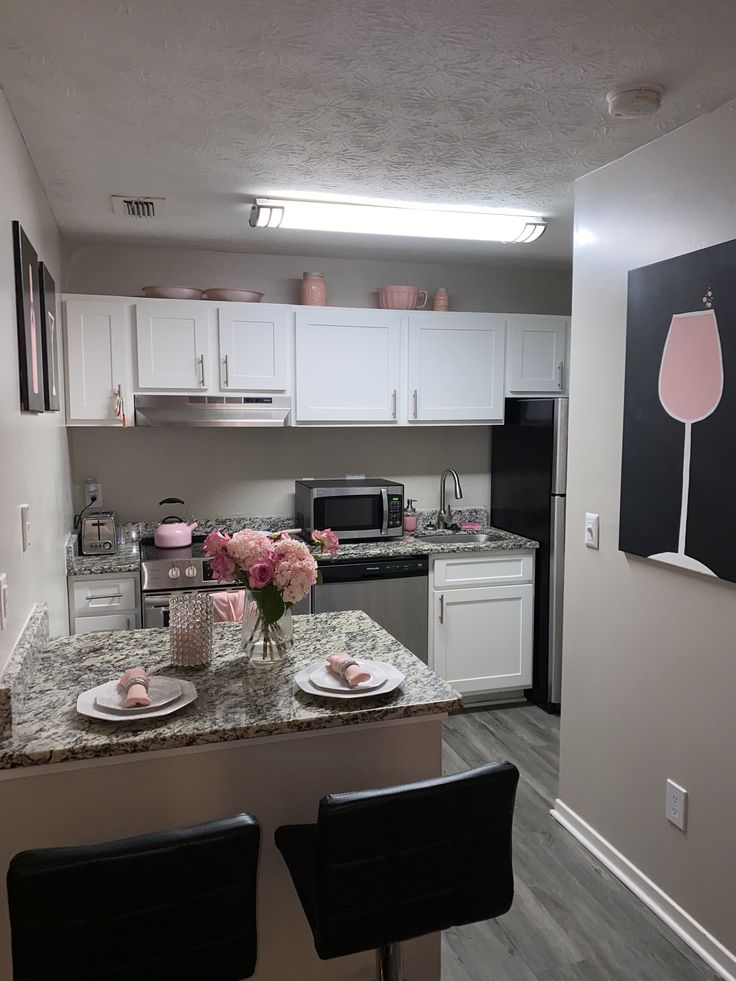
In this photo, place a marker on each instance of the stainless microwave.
(355, 508)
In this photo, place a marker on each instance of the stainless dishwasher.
(394, 592)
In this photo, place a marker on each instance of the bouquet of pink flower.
(278, 569)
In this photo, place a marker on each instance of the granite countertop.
(127, 558)
(235, 701)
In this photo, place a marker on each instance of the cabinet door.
(536, 354)
(254, 354)
(347, 365)
(98, 361)
(114, 621)
(483, 637)
(172, 344)
(456, 367)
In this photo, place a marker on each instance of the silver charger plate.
(322, 676)
(394, 678)
(161, 691)
(86, 705)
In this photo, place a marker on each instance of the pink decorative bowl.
(172, 293)
(234, 296)
(401, 298)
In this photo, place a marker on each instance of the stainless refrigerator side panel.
(559, 448)
(556, 592)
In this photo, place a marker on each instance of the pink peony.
(260, 574)
(215, 542)
(248, 547)
(294, 569)
(327, 541)
(223, 566)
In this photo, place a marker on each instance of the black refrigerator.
(528, 486)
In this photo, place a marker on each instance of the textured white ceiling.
(499, 104)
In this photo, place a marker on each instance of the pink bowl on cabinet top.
(401, 298)
(172, 293)
(174, 534)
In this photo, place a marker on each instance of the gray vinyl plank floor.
(571, 919)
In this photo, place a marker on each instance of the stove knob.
(190, 572)
(174, 573)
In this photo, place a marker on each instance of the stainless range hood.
(190, 411)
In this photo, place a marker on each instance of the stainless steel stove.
(166, 571)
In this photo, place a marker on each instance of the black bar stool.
(383, 866)
(174, 906)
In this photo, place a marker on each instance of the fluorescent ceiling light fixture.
(379, 219)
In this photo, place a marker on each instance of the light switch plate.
(3, 601)
(592, 526)
(25, 526)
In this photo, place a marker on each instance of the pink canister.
(314, 289)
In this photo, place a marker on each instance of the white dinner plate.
(394, 678)
(322, 676)
(86, 705)
(161, 691)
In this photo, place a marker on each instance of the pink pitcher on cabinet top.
(401, 298)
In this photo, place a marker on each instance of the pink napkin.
(352, 675)
(136, 694)
(227, 606)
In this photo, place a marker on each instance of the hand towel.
(227, 606)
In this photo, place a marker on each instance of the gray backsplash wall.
(221, 471)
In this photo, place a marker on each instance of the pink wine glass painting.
(690, 390)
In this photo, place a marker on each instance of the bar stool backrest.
(171, 905)
(399, 863)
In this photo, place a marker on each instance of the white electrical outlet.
(93, 489)
(676, 808)
(592, 530)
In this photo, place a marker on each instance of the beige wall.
(35, 464)
(227, 472)
(649, 683)
(124, 270)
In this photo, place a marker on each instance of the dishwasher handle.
(442, 607)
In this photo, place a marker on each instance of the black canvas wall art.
(678, 480)
(47, 291)
(30, 322)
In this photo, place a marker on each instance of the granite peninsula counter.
(234, 700)
(249, 743)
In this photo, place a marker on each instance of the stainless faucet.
(444, 515)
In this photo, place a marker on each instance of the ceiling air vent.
(137, 207)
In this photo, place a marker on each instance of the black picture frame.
(30, 323)
(47, 291)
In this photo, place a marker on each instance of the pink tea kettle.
(173, 532)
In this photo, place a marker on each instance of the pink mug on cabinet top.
(401, 298)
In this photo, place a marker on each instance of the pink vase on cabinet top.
(401, 298)
(314, 289)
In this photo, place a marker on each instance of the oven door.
(352, 512)
(156, 609)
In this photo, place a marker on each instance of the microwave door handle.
(384, 499)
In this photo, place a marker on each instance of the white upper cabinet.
(172, 338)
(254, 347)
(536, 354)
(98, 362)
(456, 367)
(347, 365)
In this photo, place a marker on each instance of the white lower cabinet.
(481, 637)
(105, 602)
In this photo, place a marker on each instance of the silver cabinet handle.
(442, 607)
(105, 596)
(394, 404)
(201, 369)
(561, 369)
(416, 398)
(227, 371)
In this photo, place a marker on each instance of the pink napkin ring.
(343, 667)
(125, 686)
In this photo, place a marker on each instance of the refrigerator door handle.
(556, 592)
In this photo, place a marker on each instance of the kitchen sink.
(463, 538)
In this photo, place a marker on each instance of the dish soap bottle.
(410, 515)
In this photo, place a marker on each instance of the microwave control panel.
(395, 510)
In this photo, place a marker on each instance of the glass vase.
(265, 643)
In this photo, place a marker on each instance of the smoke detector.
(134, 206)
(633, 101)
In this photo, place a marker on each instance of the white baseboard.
(705, 945)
